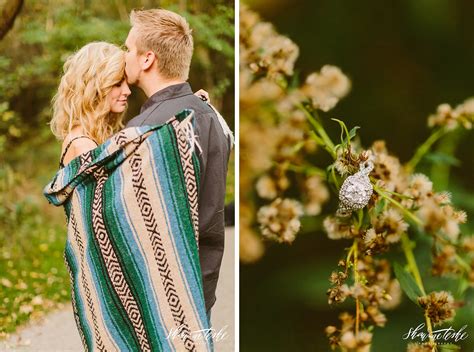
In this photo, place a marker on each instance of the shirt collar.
(173, 91)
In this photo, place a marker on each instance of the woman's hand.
(201, 93)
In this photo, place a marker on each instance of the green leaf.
(343, 129)
(379, 207)
(352, 134)
(442, 158)
(463, 286)
(333, 179)
(449, 347)
(407, 283)
(353, 131)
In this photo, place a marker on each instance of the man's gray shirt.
(213, 158)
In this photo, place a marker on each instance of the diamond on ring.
(356, 190)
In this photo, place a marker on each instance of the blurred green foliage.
(32, 232)
(46, 32)
(33, 278)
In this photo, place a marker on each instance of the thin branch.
(8, 13)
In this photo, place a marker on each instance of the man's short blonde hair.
(169, 36)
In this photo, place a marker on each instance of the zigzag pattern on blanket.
(146, 208)
(188, 169)
(114, 270)
(73, 294)
(131, 250)
(98, 339)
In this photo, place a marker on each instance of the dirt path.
(57, 332)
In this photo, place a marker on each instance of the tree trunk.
(9, 9)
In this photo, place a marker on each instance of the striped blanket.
(131, 248)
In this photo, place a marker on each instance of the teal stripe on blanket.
(171, 166)
(125, 237)
(133, 201)
(102, 281)
(79, 300)
(190, 265)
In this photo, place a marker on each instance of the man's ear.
(148, 60)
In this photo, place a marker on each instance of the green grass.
(33, 277)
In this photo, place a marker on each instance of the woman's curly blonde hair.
(81, 100)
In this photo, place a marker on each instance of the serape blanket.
(131, 248)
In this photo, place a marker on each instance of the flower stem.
(404, 210)
(408, 251)
(320, 130)
(306, 169)
(430, 331)
(463, 263)
(334, 178)
(440, 172)
(322, 143)
(349, 255)
(357, 317)
(356, 273)
(356, 280)
(423, 149)
(410, 257)
(399, 195)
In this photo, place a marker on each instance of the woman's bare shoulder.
(75, 132)
(74, 146)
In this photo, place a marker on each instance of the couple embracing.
(144, 203)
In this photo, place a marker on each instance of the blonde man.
(159, 51)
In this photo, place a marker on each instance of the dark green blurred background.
(404, 58)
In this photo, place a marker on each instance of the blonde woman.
(91, 100)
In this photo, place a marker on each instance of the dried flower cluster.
(280, 220)
(264, 50)
(345, 338)
(274, 134)
(419, 347)
(446, 116)
(326, 88)
(401, 197)
(347, 162)
(439, 306)
(281, 134)
(370, 284)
